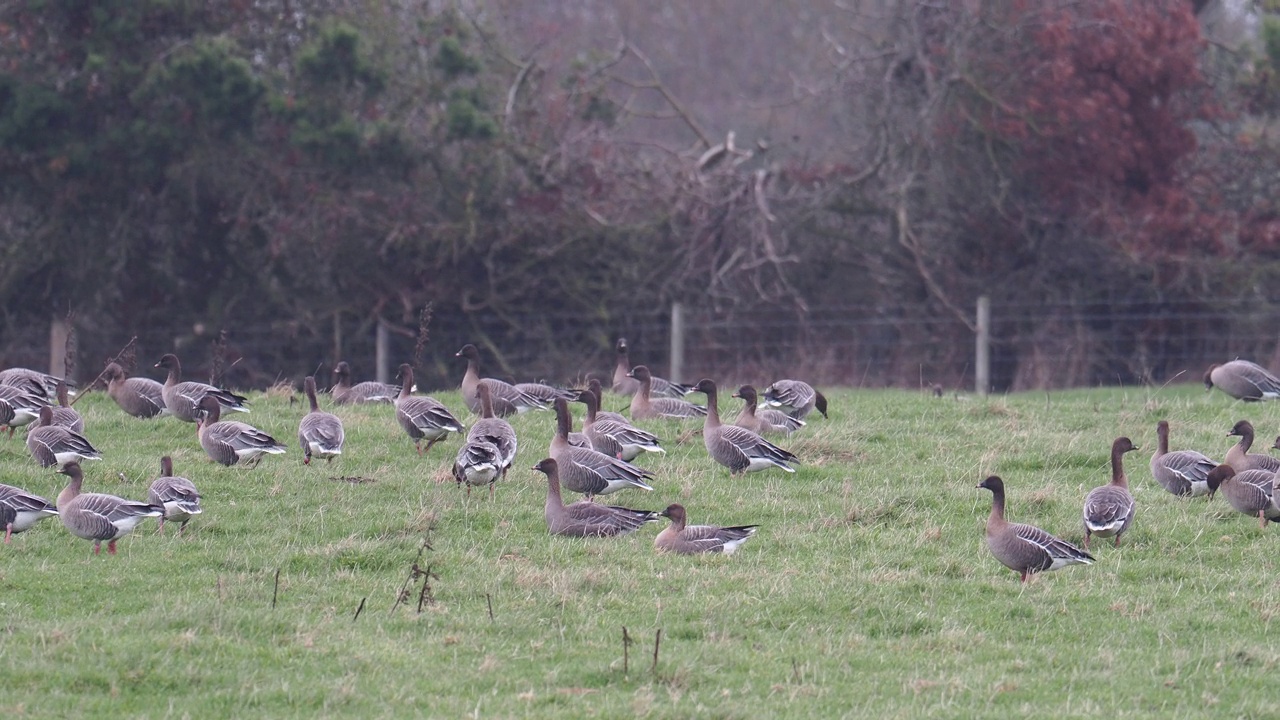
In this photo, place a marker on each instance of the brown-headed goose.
(545, 394)
(140, 397)
(587, 471)
(493, 429)
(99, 517)
(479, 462)
(177, 495)
(507, 400)
(27, 508)
(1109, 509)
(644, 406)
(63, 414)
(1184, 472)
(680, 537)
(229, 442)
(1251, 492)
(320, 433)
(738, 449)
(52, 445)
(344, 393)
(583, 518)
(593, 384)
(422, 417)
(19, 407)
(624, 383)
(1239, 457)
(1243, 380)
(763, 421)
(1025, 549)
(42, 384)
(611, 437)
(795, 398)
(183, 398)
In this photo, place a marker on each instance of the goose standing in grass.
(320, 433)
(63, 414)
(1239, 457)
(422, 417)
(1025, 549)
(593, 384)
(344, 393)
(1184, 472)
(52, 445)
(611, 437)
(493, 429)
(766, 420)
(795, 398)
(736, 448)
(685, 539)
(19, 407)
(97, 516)
(177, 495)
(28, 509)
(1109, 509)
(479, 462)
(229, 442)
(644, 406)
(587, 471)
(507, 400)
(183, 398)
(545, 394)
(1251, 492)
(140, 397)
(624, 383)
(41, 384)
(1243, 380)
(583, 518)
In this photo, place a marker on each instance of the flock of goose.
(596, 461)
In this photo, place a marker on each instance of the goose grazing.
(320, 433)
(624, 383)
(1242, 380)
(690, 539)
(507, 400)
(1251, 492)
(228, 442)
(795, 398)
(344, 393)
(644, 406)
(1185, 472)
(492, 429)
(588, 471)
(545, 394)
(593, 384)
(19, 407)
(63, 414)
(99, 517)
(583, 518)
(1109, 509)
(763, 421)
(1239, 457)
(736, 448)
(422, 417)
(40, 384)
(611, 437)
(1025, 549)
(479, 462)
(140, 397)
(27, 509)
(177, 495)
(52, 445)
(183, 398)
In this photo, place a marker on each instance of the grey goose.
(19, 407)
(27, 509)
(183, 398)
(545, 394)
(63, 414)
(493, 429)
(97, 516)
(423, 417)
(41, 384)
(138, 396)
(229, 442)
(644, 406)
(1251, 492)
(319, 433)
(593, 384)
(479, 462)
(586, 471)
(624, 383)
(1183, 472)
(736, 448)
(584, 518)
(795, 398)
(766, 420)
(1243, 380)
(344, 393)
(680, 537)
(52, 445)
(1025, 549)
(507, 400)
(1239, 457)
(611, 437)
(177, 495)
(1109, 509)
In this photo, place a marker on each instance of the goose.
(320, 433)
(1243, 380)
(228, 442)
(619, 439)
(690, 539)
(19, 407)
(97, 516)
(41, 384)
(52, 445)
(593, 384)
(624, 383)
(738, 449)
(644, 406)
(1025, 549)
(422, 417)
(177, 495)
(545, 394)
(507, 400)
(795, 398)
(1109, 509)
(763, 421)
(63, 414)
(183, 398)
(479, 462)
(28, 509)
(587, 471)
(1251, 492)
(583, 518)
(344, 393)
(494, 430)
(140, 397)
(1239, 457)
(1185, 472)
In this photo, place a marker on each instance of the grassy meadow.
(867, 592)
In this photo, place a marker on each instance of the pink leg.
(8, 533)
(111, 548)
(97, 548)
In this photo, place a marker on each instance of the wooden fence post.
(982, 359)
(59, 329)
(382, 352)
(676, 368)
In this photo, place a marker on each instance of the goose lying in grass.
(585, 518)
(679, 537)
(344, 393)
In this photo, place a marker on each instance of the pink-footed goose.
(63, 414)
(611, 437)
(41, 384)
(479, 462)
(19, 407)
(586, 471)
(584, 518)
(97, 516)
(1109, 509)
(593, 384)
(763, 421)
(680, 537)
(795, 398)
(738, 449)
(138, 396)
(1251, 492)
(27, 509)
(183, 398)
(229, 442)
(493, 429)
(344, 393)
(644, 406)
(1025, 549)
(1243, 380)
(423, 417)
(177, 495)
(1239, 457)
(320, 433)
(1184, 472)
(625, 384)
(52, 445)
(507, 400)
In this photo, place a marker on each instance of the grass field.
(868, 591)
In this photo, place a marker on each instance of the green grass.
(868, 591)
